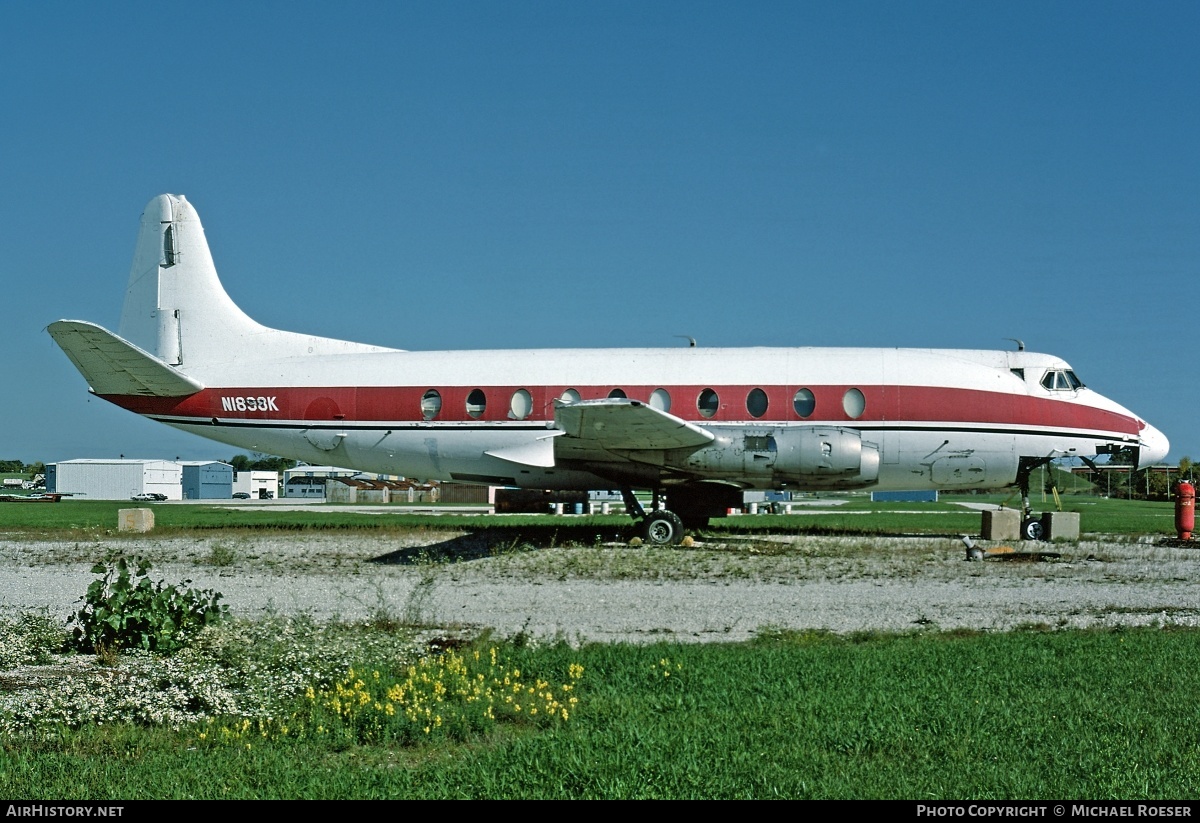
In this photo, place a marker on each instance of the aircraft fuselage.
(703, 422)
(937, 418)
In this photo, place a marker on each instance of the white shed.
(257, 484)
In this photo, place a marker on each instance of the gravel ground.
(610, 592)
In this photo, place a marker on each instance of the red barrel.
(1185, 509)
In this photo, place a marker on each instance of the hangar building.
(207, 480)
(115, 479)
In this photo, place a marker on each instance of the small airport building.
(207, 480)
(310, 481)
(115, 479)
(259, 485)
(102, 479)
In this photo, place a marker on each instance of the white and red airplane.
(696, 425)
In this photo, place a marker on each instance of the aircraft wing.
(621, 425)
(112, 365)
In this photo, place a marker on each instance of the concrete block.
(1001, 524)
(135, 520)
(1060, 525)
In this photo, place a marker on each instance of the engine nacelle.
(826, 457)
(814, 457)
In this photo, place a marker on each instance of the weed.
(30, 640)
(124, 609)
(221, 554)
(107, 655)
(418, 599)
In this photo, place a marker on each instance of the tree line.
(240, 462)
(17, 467)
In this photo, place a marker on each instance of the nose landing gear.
(1031, 526)
(1031, 529)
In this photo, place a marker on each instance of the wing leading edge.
(622, 425)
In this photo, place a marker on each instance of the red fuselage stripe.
(884, 405)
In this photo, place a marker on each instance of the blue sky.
(444, 175)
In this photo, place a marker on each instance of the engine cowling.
(826, 457)
(811, 457)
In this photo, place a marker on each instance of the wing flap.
(114, 366)
(618, 424)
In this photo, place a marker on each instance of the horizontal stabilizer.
(618, 424)
(112, 365)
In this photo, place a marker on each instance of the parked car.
(241, 495)
(158, 495)
(145, 496)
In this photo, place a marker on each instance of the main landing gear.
(659, 527)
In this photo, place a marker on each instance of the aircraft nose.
(1154, 447)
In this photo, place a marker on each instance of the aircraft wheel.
(662, 528)
(1031, 529)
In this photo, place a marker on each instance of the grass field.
(852, 515)
(1025, 715)
(287, 709)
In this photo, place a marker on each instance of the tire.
(1031, 529)
(662, 528)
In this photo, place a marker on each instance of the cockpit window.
(1061, 380)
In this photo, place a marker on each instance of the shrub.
(125, 609)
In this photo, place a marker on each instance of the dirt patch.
(607, 591)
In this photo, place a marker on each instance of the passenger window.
(708, 402)
(617, 394)
(756, 402)
(476, 403)
(804, 402)
(431, 404)
(854, 403)
(569, 396)
(521, 405)
(660, 399)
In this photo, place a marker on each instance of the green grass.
(1032, 714)
(851, 515)
(1023, 715)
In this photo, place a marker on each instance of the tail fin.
(173, 283)
(177, 310)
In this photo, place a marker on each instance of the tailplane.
(113, 366)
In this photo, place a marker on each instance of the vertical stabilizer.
(173, 284)
(176, 308)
